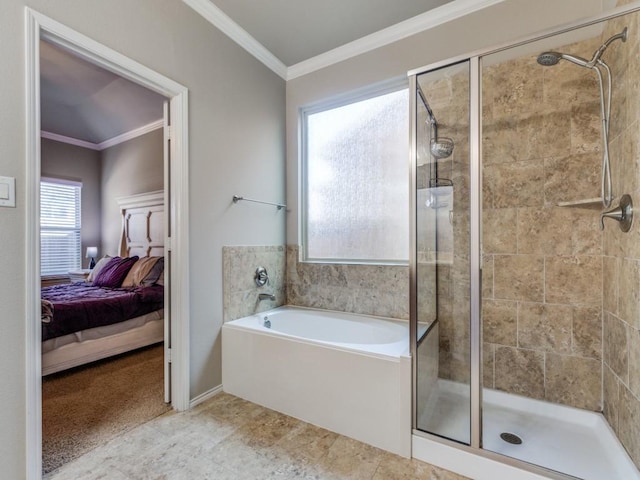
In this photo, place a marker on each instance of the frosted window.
(357, 188)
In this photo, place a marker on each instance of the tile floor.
(227, 438)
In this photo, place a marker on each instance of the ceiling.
(296, 30)
(82, 101)
(85, 102)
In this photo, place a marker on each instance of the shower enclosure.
(525, 313)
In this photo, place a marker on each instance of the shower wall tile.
(544, 231)
(610, 275)
(628, 159)
(547, 134)
(614, 241)
(586, 332)
(574, 280)
(502, 143)
(487, 276)
(500, 322)
(558, 231)
(522, 88)
(500, 230)
(629, 291)
(564, 84)
(488, 374)
(519, 371)
(611, 398)
(240, 293)
(616, 346)
(573, 381)
(628, 422)
(545, 327)
(634, 361)
(519, 277)
(572, 178)
(518, 184)
(585, 128)
(364, 289)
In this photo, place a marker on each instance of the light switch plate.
(7, 192)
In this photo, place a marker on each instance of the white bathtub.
(350, 374)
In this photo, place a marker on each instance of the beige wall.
(61, 160)
(132, 167)
(236, 145)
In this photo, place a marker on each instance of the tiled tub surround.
(380, 290)
(240, 295)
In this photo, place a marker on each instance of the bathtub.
(350, 374)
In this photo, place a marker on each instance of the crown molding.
(131, 134)
(386, 36)
(69, 140)
(107, 143)
(223, 22)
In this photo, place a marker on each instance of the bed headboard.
(142, 224)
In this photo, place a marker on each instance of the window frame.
(71, 183)
(355, 96)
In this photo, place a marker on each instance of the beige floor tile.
(228, 438)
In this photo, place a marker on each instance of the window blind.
(60, 248)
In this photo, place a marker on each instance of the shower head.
(441, 147)
(548, 59)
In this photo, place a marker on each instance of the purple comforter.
(78, 306)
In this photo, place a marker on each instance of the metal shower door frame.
(475, 253)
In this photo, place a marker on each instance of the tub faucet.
(266, 296)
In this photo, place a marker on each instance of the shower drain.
(511, 438)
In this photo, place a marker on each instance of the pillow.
(99, 266)
(140, 271)
(160, 280)
(114, 272)
(154, 274)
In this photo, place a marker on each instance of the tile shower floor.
(227, 438)
(565, 439)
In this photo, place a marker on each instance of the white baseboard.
(203, 397)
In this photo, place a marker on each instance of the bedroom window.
(60, 249)
(355, 188)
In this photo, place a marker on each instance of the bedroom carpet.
(88, 406)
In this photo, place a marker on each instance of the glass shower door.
(442, 274)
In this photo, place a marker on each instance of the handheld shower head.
(548, 59)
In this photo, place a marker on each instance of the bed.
(95, 320)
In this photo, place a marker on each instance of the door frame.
(37, 27)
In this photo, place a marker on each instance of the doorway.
(176, 192)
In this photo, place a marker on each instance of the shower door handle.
(623, 213)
